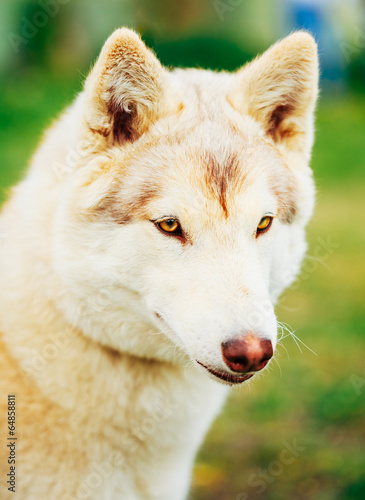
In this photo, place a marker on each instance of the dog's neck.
(72, 370)
(135, 405)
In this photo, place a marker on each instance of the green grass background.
(311, 398)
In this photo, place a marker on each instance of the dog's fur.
(104, 318)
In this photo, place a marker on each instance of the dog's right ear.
(124, 91)
(279, 89)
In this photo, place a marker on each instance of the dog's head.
(184, 217)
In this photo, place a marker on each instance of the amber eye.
(264, 225)
(170, 226)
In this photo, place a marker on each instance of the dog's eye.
(264, 225)
(170, 226)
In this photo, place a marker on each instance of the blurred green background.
(313, 404)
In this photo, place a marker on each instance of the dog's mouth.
(227, 377)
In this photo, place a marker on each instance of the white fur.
(137, 409)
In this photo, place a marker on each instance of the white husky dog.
(141, 256)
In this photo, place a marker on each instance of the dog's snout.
(247, 353)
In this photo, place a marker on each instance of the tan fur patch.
(222, 178)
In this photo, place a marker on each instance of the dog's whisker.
(277, 362)
(282, 345)
(284, 337)
(305, 345)
(290, 332)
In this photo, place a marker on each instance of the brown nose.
(247, 354)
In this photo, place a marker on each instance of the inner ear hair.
(277, 116)
(279, 89)
(276, 119)
(123, 121)
(125, 90)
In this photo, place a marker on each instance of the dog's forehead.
(213, 166)
(203, 93)
(202, 157)
(208, 145)
(204, 170)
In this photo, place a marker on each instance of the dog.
(141, 259)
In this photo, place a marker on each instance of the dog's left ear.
(279, 89)
(124, 91)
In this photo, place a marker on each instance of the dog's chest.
(148, 454)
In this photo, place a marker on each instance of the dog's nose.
(247, 353)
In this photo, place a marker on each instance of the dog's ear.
(279, 89)
(124, 90)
